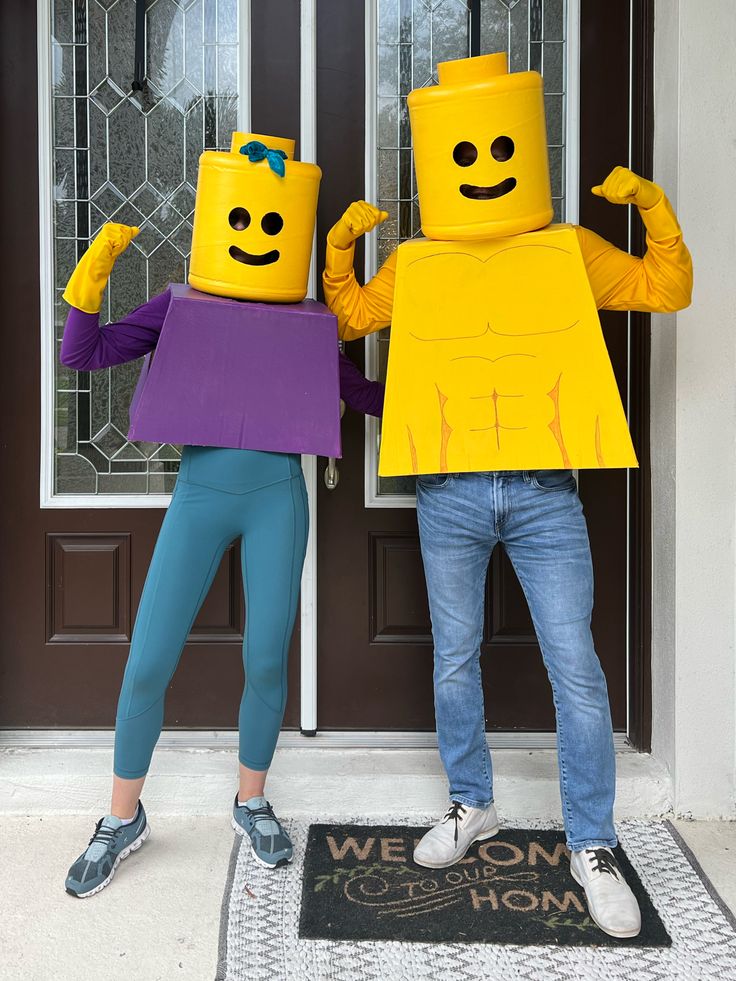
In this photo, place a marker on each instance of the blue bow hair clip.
(256, 151)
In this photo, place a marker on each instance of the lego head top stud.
(480, 151)
(254, 221)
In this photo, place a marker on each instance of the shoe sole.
(619, 934)
(446, 865)
(266, 865)
(132, 847)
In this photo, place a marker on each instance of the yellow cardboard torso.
(497, 361)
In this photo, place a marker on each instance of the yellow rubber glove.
(360, 218)
(661, 281)
(623, 186)
(88, 281)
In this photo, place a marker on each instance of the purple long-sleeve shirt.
(87, 347)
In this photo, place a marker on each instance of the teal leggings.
(220, 495)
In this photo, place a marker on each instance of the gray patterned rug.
(259, 930)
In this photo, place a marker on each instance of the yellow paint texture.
(503, 187)
(229, 181)
(498, 362)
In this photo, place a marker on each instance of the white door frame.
(308, 617)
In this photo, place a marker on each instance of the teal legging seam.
(147, 627)
(236, 493)
(200, 599)
(252, 765)
(137, 774)
(130, 774)
(287, 629)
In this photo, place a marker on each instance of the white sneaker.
(611, 903)
(449, 840)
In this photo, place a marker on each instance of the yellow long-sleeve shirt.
(660, 282)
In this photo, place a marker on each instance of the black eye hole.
(465, 154)
(272, 223)
(239, 219)
(502, 148)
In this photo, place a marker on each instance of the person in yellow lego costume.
(499, 385)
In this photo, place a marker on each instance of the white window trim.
(572, 200)
(572, 113)
(308, 608)
(46, 251)
(48, 497)
(370, 469)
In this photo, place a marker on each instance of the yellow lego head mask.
(480, 151)
(254, 221)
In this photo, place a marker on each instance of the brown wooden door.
(375, 650)
(72, 577)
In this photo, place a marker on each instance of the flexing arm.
(360, 310)
(86, 347)
(661, 282)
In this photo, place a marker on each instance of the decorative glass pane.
(129, 157)
(412, 36)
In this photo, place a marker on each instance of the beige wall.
(694, 414)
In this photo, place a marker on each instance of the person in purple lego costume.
(246, 374)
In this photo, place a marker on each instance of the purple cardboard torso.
(254, 376)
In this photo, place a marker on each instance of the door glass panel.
(129, 156)
(412, 36)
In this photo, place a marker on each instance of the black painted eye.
(272, 223)
(239, 219)
(502, 148)
(465, 154)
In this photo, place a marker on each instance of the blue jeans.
(538, 518)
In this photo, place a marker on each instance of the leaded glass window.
(412, 36)
(129, 156)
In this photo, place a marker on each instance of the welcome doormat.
(262, 910)
(360, 883)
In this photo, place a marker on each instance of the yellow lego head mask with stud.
(254, 221)
(480, 151)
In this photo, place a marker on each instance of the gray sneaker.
(269, 843)
(108, 846)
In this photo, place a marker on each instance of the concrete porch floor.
(159, 918)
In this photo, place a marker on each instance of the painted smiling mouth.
(253, 260)
(487, 193)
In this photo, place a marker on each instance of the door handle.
(332, 474)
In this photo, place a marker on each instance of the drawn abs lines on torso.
(499, 396)
(498, 361)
